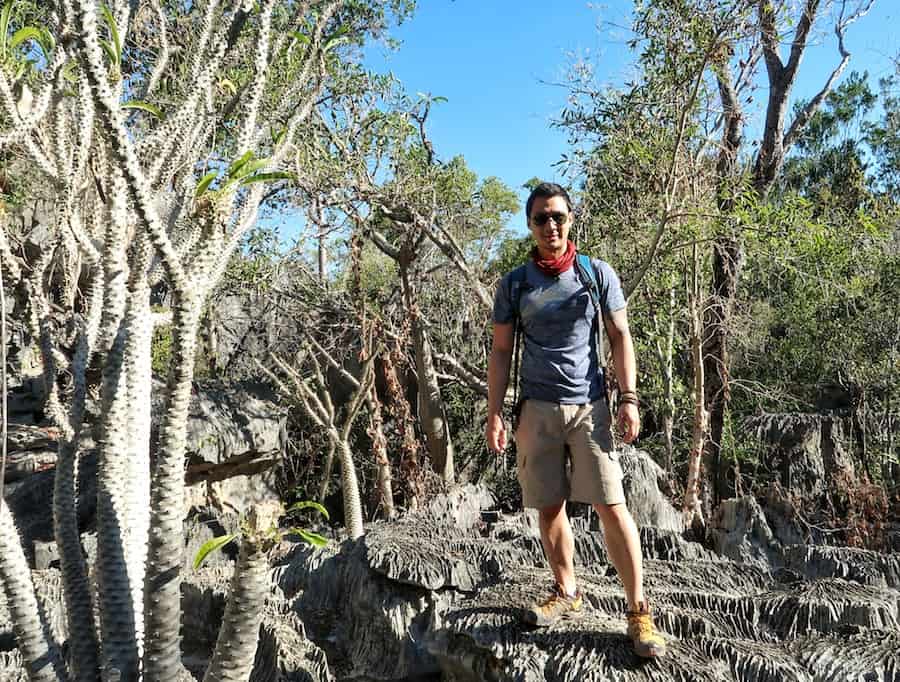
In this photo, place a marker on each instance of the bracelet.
(629, 400)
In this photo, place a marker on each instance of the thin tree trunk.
(384, 481)
(431, 405)
(326, 472)
(162, 585)
(410, 468)
(353, 517)
(692, 508)
(238, 638)
(40, 653)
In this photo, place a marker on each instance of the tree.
(146, 190)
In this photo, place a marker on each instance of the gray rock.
(236, 434)
(421, 597)
(646, 502)
(806, 449)
(858, 565)
(284, 653)
(740, 532)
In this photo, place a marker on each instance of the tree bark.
(40, 653)
(431, 405)
(384, 483)
(692, 508)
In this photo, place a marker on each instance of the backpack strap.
(516, 284)
(592, 279)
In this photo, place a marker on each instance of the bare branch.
(802, 118)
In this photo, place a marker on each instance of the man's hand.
(495, 433)
(629, 423)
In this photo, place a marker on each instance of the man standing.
(564, 414)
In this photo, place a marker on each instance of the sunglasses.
(542, 219)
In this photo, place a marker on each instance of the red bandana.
(554, 267)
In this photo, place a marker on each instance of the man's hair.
(546, 190)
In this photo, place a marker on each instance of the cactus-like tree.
(158, 131)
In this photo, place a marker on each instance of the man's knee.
(615, 513)
(551, 513)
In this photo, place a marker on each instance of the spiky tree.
(143, 122)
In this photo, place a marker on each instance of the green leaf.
(205, 182)
(300, 37)
(337, 38)
(238, 164)
(110, 51)
(310, 537)
(307, 504)
(144, 106)
(69, 70)
(211, 546)
(268, 177)
(114, 32)
(4, 24)
(229, 86)
(23, 34)
(250, 167)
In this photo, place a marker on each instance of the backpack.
(591, 278)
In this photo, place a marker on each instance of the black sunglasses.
(542, 219)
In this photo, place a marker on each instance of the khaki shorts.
(589, 472)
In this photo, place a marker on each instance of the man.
(564, 414)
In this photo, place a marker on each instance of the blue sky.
(496, 62)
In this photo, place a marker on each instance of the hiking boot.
(557, 605)
(647, 641)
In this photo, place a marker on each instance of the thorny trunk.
(326, 472)
(235, 650)
(385, 488)
(39, 652)
(410, 468)
(162, 585)
(353, 516)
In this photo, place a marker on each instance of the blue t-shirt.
(559, 358)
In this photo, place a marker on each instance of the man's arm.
(498, 378)
(626, 370)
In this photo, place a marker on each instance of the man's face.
(550, 221)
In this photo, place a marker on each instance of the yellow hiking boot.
(647, 641)
(557, 605)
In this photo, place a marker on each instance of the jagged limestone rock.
(284, 652)
(859, 565)
(741, 532)
(646, 502)
(421, 597)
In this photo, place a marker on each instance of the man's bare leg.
(559, 545)
(623, 544)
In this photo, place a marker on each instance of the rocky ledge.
(430, 597)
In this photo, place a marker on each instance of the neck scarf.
(554, 267)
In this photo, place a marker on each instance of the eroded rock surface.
(424, 597)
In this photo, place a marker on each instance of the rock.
(420, 597)
(236, 434)
(31, 449)
(462, 506)
(740, 532)
(806, 449)
(284, 653)
(30, 501)
(647, 504)
(858, 565)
